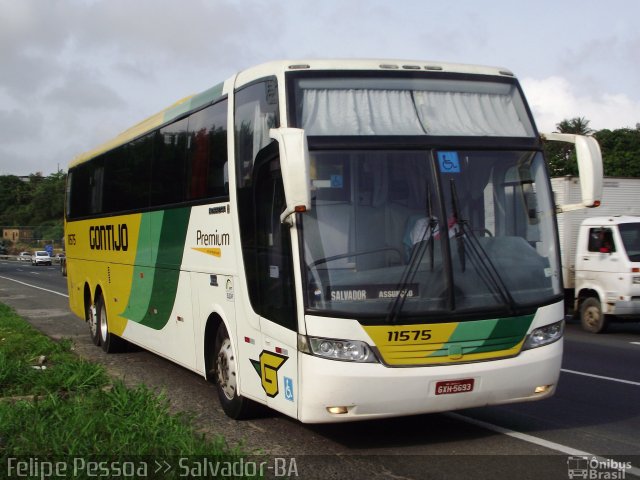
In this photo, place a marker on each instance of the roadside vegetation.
(53, 404)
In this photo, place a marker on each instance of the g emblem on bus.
(267, 368)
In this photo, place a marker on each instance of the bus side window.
(206, 162)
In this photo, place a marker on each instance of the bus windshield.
(429, 232)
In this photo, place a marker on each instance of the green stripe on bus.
(143, 274)
(487, 335)
(154, 288)
(198, 100)
(507, 334)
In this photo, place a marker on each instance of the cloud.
(554, 99)
(84, 91)
(19, 126)
(77, 72)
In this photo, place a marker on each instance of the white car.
(24, 257)
(40, 257)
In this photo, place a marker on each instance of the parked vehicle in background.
(600, 252)
(24, 257)
(41, 257)
(63, 264)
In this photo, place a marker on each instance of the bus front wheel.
(233, 404)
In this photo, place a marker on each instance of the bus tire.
(591, 316)
(226, 368)
(92, 320)
(110, 343)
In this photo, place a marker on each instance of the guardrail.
(23, 259)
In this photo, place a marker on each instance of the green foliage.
(38, 202)
(31, 364)
(68, 409)
(620, 151)
(120, 422)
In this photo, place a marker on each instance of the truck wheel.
(592, 318)
(234, 405)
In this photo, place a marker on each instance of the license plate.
(454, 386)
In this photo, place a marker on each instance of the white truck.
(600, 250)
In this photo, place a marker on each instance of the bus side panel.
(176, 338)
(101, 252)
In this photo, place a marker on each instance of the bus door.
(273, 292)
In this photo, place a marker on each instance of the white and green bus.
(335, 239)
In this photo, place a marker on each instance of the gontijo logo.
(109, 237)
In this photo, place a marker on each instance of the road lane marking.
(634, 343)
(536, 441)
(33, 286)
(620, 380)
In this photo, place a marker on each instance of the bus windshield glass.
(428, 232)
(409, 105)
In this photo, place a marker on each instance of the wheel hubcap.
(103, 323)
(93, 326)
(592, 317)
(226, 370)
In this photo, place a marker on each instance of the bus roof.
(193, 102)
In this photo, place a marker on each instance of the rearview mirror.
(294, 164)
(589, 167)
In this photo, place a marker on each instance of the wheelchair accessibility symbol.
(288, 389)
(449, 162)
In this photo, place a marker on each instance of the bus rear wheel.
(110, 343)
(92, 319)
(226, 367)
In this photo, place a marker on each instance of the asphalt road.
(589, 429)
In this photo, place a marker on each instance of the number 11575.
(408, 335)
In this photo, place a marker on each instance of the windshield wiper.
(411, 269)
(482, 262)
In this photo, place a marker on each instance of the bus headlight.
(336, 349)
(544, 335)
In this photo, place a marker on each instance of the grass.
(72, 409)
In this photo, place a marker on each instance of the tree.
(620, 151)
(38, 202)
(576, 125)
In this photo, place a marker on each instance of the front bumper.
(375, 391)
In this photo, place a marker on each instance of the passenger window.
(168, 171)
(207, 160)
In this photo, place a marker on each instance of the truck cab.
(607, 271)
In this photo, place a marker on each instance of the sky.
(75, 73)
